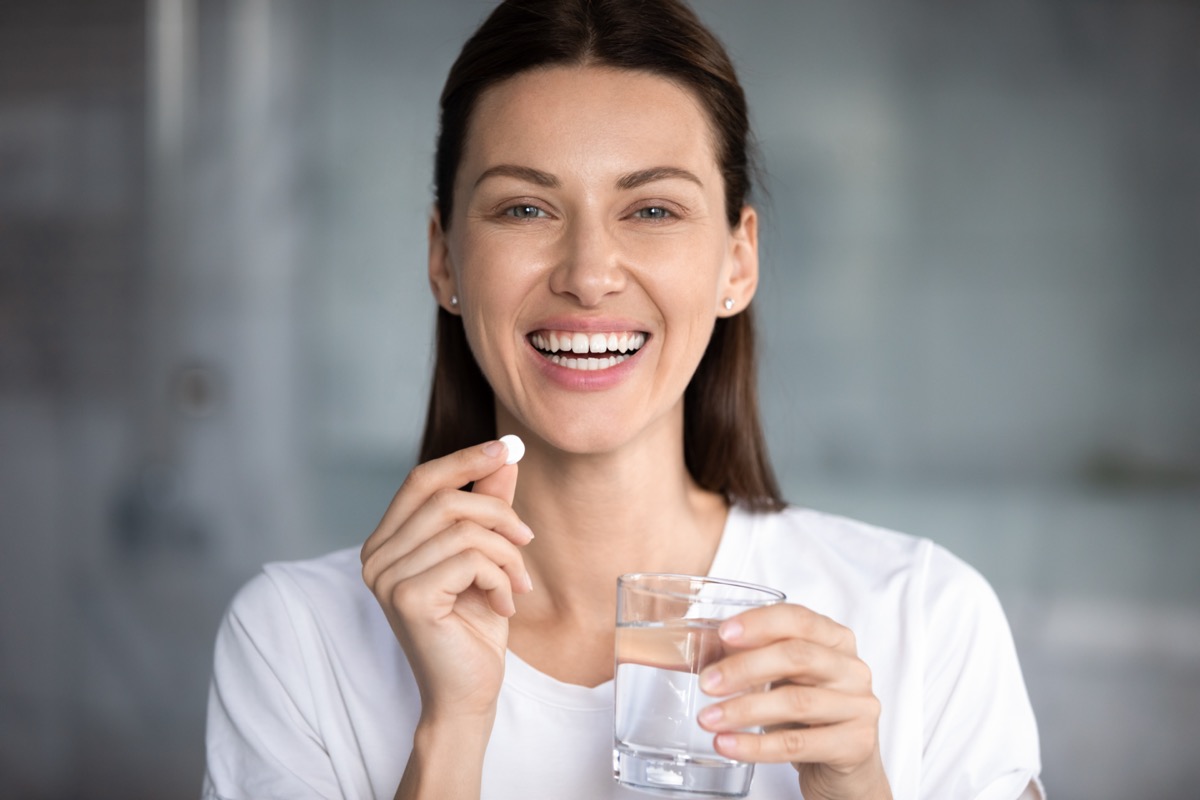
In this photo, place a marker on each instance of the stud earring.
(729, 304)
(454, 300)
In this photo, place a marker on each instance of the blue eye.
(524, 212)
(653, 212)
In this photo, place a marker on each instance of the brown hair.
(724, 448)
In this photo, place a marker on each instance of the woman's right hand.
(444, 564)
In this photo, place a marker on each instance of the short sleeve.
(261, 736)
(981, 737)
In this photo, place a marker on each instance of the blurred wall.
(981, 316)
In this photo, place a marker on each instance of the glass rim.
(773, 595)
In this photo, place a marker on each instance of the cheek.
(498, 266)
(684, 271)
(489, 275)
(494, 282)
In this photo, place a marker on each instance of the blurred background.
(981, 313)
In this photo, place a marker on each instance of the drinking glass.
(666, 634)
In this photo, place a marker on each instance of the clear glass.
(666, 634)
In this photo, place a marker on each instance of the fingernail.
(493, 448)
(528, 582)
(711, 715)
(525, 529)
(710, 680)
(726, 742)
(730, 630)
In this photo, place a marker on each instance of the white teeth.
(606, 345)
(587, 363)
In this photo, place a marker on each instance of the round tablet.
(516, 448)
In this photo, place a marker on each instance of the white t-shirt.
(313, 697)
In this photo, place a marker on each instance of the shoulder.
(302, 592)
(863, 543)
(332, 573)
(837, 532)
(848, 561)
(836, 542)
(304, 620)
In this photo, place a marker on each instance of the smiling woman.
(594, 258)
(576, 216)
(724, 446)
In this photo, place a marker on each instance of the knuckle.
(369, 572)
(443, 497)
(417, 479)
(793, 740)
(862, 673)
(479, 563)
(797, 653)
(874, 708)
(799, 701)
(460, 535)
(401, 595)
(373, 571)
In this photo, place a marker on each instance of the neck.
(596, 517)
(599, 516)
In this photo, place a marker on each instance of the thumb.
(501, 484)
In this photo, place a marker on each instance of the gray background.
(981, 312)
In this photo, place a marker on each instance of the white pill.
(516, 448)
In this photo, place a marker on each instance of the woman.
(593, 257)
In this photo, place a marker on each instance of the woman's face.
(590, 252)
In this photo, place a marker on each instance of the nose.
(590, 265)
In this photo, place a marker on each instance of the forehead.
(597, 113)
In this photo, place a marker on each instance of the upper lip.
(589, 325)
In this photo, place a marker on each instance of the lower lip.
(588, 380)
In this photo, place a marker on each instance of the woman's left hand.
(820, 713)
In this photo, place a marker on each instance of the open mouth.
(587, 351)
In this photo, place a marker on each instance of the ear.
(441, 269)
(741, 276)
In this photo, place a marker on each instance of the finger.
(449, 472)
(794, 660)
(787, 704)
(433, 593)
(760, 626)
(449, 506)
(841, 745)
(440, 511)
(501, 484)
(459, 538)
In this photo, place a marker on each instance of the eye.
(653, 212)
(524, 211)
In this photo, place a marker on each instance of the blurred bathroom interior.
(980, 319)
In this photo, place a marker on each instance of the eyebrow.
(631, 180)
(520, 173)
(644, 176)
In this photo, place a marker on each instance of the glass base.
(674, 775)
